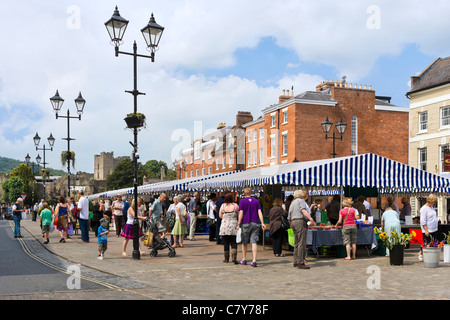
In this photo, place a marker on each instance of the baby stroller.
(158, 242)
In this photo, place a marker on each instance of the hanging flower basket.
(135, 120)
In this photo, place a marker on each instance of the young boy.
(46, 220)
(102, 238)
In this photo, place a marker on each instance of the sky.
(215, 58)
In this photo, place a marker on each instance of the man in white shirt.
(83, 216)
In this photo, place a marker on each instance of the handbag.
(171, 220)
(284, 222)
(239, 235)
(210, 222)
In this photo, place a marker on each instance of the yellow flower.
(413, 233)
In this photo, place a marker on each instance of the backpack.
(204, 210)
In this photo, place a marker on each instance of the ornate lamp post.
(57, 103)
(51, 142)
(340, 127)
(152, 33)
(27, 160)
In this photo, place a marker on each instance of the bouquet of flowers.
(435, 243)
(394, 238)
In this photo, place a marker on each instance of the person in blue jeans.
(17, 210)
(83, 216)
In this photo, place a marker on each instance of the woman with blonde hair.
(348, 218)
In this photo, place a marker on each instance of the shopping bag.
(70, 231)
(238, 236)
(291, 238)
(148, 238)
(52, 227)
(24, 215)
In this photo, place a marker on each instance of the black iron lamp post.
(57, 103)
(27, 160)
(51, 142)
(152, 33)
(340, 127)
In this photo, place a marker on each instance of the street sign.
(23, 195)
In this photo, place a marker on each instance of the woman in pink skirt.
(127, 231)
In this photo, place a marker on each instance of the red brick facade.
(297, 135)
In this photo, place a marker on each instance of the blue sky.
(214, 60)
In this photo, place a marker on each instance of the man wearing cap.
(17, 210)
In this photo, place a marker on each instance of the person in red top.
(349, 230)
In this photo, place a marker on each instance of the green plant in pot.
(135, 120)
(66, 156)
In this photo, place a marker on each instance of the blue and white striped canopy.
(366, 170)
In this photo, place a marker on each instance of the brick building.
(217, 152)
(291, 131)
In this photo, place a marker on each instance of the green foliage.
(123, 175)
(8, 164)
(24, 172)
(12, 189)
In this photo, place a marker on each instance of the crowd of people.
(231, 221)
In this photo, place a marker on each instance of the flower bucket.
(134, 121)
(396, 255)
(447, 253)
(431, 257)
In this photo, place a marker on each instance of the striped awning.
(366, 170)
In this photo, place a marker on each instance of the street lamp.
(27, 160)
(57, 103)
(340, 127)
(152, 33)
(37, 140)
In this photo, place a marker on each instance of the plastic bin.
(341, 252)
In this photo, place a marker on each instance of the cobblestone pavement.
(198, 273)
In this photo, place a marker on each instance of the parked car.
(6, 212)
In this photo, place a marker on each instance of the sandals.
(243, 262)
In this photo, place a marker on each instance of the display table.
(333, 237)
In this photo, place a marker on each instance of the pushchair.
(158, 242)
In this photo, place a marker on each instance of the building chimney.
(414, 80)
(243, 117)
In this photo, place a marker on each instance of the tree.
(152, 168)
(25, 173)
(123, 175)
(12, 189)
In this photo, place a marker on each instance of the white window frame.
(255, 157)
(197, 150)
(261, 156)
(261, 133)
(273, 119)
(445, 118)
(231, 161)
(285, 116)
(441, 160)
(248, 159)
(284, 141)
(255, 134)
(422, 159)
(273, 146)
(423, 122)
